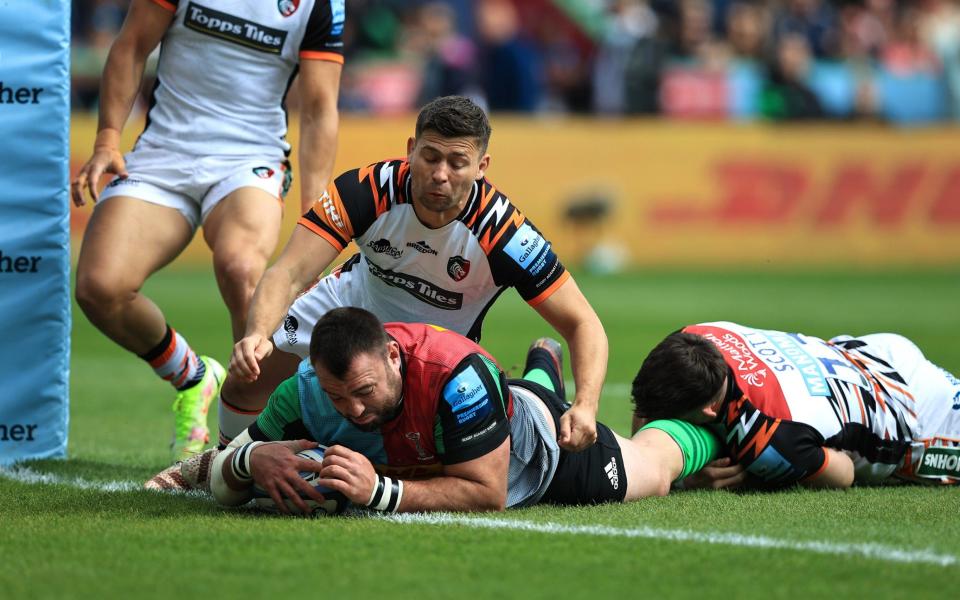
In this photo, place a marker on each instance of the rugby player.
(438, 243)
(794, 408)
(418, 418)
(213, 153)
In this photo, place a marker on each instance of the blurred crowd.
(887, 60)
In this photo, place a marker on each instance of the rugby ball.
(334, 502)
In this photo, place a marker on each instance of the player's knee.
(239, 272)
(99, 292)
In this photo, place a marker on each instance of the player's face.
(369, 393)
(442, 173)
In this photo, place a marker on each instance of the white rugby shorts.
(194, 185)
(293, 335)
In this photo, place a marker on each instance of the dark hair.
(455, 116)
(343, 334)
(683, 373)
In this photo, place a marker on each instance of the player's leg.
(544, 364)
(242, 230)
(935, 451)
(126, 241)
(241, 401)
(662, 452)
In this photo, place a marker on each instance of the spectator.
(510, 65)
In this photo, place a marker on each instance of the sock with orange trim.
(175, 361)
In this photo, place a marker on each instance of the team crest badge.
(263, 172)
(458, 268)
(288, 7)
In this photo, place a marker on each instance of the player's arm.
(258, 454)
(568, 311)
(837, 471)
(319, 120)
(665, 451)
(145, 25)
(302, 261)
(479, 484)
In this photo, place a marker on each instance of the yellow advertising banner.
(700, 194)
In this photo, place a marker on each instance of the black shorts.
(592, 476)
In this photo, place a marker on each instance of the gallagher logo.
(263, 172)
(288, 7)
(458, 268)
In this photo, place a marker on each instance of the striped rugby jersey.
(226, 66)
(456, 407)
(796, 394)
(448, 276)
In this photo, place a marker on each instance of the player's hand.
(578, 429)
(247, 354)
(105, 159)
(349, 473)
(276, 468)
(716, 475)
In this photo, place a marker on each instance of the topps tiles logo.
(234, 29)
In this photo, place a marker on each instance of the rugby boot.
(554, 351)
(190, 411)
(196, 470)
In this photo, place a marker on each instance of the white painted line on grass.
(27, 475)
(866, 550)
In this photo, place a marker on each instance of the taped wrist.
(386, 495)
(697, 444)
(240, 465)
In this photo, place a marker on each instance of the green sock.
(698, 444)
(540, 376)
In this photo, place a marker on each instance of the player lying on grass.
(438, 243)
(797, 409)
(426, 416)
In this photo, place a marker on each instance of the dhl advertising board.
(704, 194)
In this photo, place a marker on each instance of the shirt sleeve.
(323, 38)
(472, 412)
(281, 419)
(520, 256)
(346, 209)
(776, 453)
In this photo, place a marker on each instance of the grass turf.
(61, 540)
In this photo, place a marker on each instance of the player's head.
(684, 376)
(448, 153)
(358, 366)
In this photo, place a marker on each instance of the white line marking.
(866, 550)
(28, 475)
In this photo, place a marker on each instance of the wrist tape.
(240, 465)
(386, 494)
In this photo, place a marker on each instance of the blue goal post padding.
(34, 229)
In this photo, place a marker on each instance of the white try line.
(28, 475)
(867, 550)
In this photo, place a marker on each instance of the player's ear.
(393, 353)
(411, 142)
(483, 166)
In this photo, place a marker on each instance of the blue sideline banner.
(34, 228)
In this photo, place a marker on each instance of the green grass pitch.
(88, 532)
